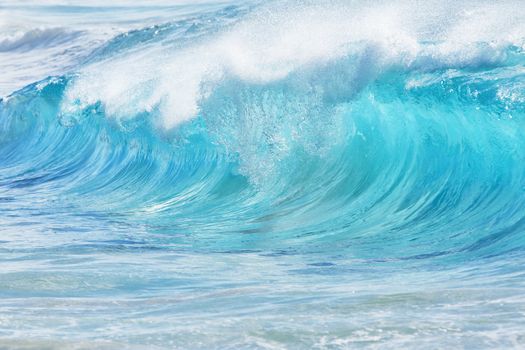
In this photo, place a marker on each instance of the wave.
(383, 133)
(38, 38)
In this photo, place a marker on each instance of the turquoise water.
(282, 175)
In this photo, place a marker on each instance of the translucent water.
(277, 175)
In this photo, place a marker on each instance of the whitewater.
(262, 174)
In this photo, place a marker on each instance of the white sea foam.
(277, 40)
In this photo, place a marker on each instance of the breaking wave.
(377, 132)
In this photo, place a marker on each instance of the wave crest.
(279, 41)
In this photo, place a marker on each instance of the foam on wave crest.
(282, 40)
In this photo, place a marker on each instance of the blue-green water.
(286, 175)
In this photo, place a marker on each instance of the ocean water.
(262, 174)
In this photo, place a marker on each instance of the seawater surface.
(262, 175)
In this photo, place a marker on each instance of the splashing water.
(263, 175)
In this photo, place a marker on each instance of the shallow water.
(299, 175)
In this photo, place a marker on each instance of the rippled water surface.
(262, 175)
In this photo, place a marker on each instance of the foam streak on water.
(299, 175)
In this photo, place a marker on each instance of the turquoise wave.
(362, 151)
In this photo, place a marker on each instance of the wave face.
(279, 175)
